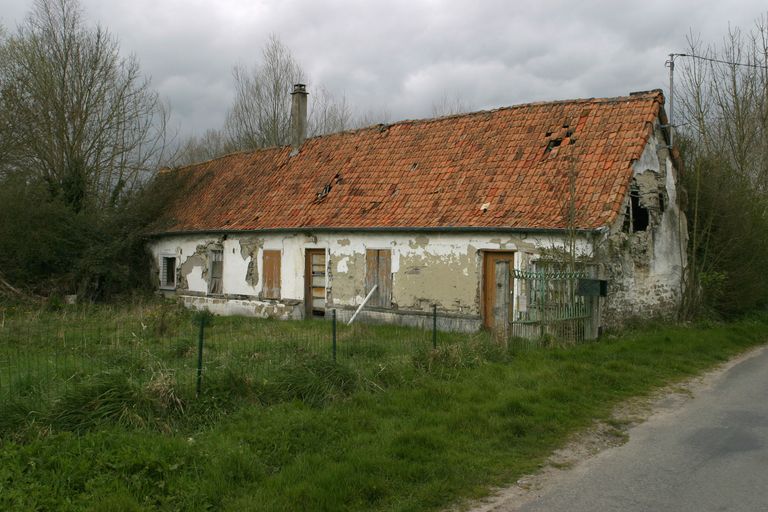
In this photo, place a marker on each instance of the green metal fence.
(548, 306)
(44, 355)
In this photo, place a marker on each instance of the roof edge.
(381, 229)
(632, 96)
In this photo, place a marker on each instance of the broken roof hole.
(553, 144)
(326, 190)
(414, 166)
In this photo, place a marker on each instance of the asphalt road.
(709, 455)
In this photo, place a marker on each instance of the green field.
(396, 427)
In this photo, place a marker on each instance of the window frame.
(211, 261)
(163, 271)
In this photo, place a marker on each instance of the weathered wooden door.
(314, 279)
(498, 275)
(378, 272)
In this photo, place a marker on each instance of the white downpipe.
(363, 304)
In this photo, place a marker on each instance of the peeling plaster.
(341, 266)
(249, 250)
(191, 275)
(420, 241)
(450, 280)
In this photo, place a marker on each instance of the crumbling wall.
(644, 252)
(426, 269)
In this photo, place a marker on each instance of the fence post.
(333, 322)
(200, 338)
(434, 326)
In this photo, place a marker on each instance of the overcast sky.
(403, 56)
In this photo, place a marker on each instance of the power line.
(671, 65)
(719, 61)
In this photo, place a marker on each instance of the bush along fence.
(44, 355)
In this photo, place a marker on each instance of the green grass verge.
(446, 428)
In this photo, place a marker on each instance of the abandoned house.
(492, 216)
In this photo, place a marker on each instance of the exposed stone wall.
(643, 255)
(244, 307)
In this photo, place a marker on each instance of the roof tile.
(429, 173)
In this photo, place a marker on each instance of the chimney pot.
(298, 116)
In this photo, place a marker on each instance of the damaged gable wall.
(644, 253)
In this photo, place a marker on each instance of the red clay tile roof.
(430, 173)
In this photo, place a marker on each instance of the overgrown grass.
(323, 436)
(48, 354)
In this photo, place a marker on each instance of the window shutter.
(271, 288)
(216, 269)
(371, 271)
(385, 278)
(163, 272)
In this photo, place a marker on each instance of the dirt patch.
(602, 435)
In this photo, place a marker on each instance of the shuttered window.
(271, 288)
(378, 272)
(216, 272)
(168, 272)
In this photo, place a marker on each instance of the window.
(640, 217)
(168, 272)
(271, 289)
(216, 271)
(636, 217)
(378, 273)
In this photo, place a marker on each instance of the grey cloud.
(401, 56)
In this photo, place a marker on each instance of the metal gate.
(548, 306)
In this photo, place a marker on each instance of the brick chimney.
(298, 116)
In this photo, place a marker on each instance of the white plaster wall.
(343, 248)
(649, 160)
(236, 269)
(458, 276)
(183, 247)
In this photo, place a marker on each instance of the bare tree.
(328, 114)
(261, 113)
(447, 106)
(724, 99)
(85, 120)
(372, 117)
(723, 105)
(211, 144)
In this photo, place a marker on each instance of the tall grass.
(416, 431)
(321, 436)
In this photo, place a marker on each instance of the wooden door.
(378, 272)
(498, 285)
(314, 279)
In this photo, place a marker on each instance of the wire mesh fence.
(45, 355)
